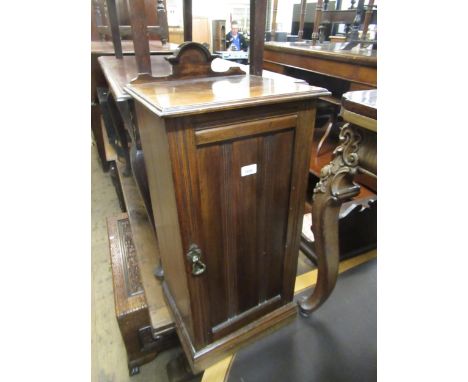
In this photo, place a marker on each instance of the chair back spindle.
(114, 26)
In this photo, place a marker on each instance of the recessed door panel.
(244, 187)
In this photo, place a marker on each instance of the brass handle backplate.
(194, 255)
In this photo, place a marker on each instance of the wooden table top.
(360, 107)
(119, 72)
(330, 51)
(107, 48)
(195, 94)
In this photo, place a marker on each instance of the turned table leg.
(335, 187)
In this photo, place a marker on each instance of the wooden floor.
(109, 360)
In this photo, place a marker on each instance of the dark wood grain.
(160, 179)
(274, 25)
(143, 341)
(257, 35)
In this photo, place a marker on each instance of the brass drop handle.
(193, 255)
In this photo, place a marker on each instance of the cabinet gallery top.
(196, 96)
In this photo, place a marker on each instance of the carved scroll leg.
(334, 188)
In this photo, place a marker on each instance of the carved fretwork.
(335, 187)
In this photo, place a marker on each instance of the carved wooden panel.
(129, 260)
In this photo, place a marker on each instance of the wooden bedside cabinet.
(227, 158)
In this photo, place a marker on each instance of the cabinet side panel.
(302, 148)
(161, 184)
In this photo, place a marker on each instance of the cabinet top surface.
(119, 72)
(196, 96)
(330, 51)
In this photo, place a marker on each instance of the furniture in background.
(339, 71)
(155, 19)
(201, 31)
(356, 154)
(106, 48)
(147, 329)
(118, 71)
(176, 34)
(239, 56)
(143, 241)
(319, 21)
(106, 18)
(144, 321)
(219, 35)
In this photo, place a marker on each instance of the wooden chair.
(324, 18)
